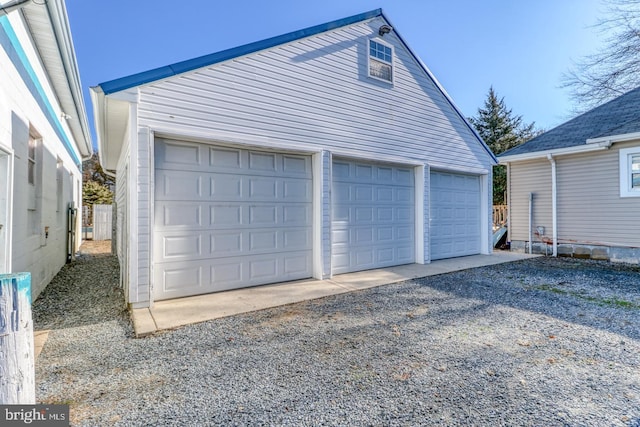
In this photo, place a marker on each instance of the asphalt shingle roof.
(616, 117)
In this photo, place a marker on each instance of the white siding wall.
(315, 93)
(143, 230)
(123, 214)
(20, 111)
(426, 214)
(312, 94)
(326, 213)
(530, 177)
(590, 208)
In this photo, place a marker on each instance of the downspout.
(509, 204)
(530, 223)
(554, 204)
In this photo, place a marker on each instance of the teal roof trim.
(138, 79)
(11, 44)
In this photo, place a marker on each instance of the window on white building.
(31, 159)
(630, 172)
(380, 61)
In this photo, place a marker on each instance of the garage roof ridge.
(166, 71)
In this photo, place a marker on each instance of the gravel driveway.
(541, 342)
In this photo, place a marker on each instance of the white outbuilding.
(324, 151)
(44, 137)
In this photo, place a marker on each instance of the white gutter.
(554, 204)
(9, 7)
(596, 146)
(615, 138)
(60, 22)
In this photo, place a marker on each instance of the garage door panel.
(372, 216)
(384, 214)
(455, 215)
(198, 244)
(231, 218)
(225, 216)
(182, 246)
(178, 279)
(179, 155)
(180, 185)
(384, 194)
(228, 243)
(177, 214)
(225, 187)
(225, 158)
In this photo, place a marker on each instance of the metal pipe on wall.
(530, 223)
(554, 204)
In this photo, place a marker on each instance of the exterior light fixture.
(384, 29)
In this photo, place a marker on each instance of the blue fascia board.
(144, 77)
(9, 41)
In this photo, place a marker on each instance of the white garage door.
(455, 215)
(372, 216)
(229, 218)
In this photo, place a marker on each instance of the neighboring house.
(584, 178)
(44, 136)
(323, 151)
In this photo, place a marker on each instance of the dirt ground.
(95, 247)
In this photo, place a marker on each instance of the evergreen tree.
(501, 130)
(93, 193)
(96, 185)
(92, 171)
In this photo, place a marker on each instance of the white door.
(6, 195)
(455, 215)
(372, 222)
(228, 218)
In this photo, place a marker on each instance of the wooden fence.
(500, 215)
(102, 221)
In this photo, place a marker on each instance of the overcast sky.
(520, 47)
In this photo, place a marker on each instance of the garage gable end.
(356, 66)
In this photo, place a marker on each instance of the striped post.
(17, 371)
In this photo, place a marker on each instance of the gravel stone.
(545, 341)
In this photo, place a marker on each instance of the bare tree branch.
(615, 69)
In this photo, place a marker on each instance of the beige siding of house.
(529, 177)
(590, 209)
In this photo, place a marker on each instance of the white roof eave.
(603, 145)
(57, 53)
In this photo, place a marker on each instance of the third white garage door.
(455, 215)
(229, 218)
(372, 216)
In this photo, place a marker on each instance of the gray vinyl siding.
(313, 93)
(530, 177)
(326, 214)
(144, 215)
(425, 215)
(590, 209)
(122, 218)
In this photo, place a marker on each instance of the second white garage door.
(372, 216)
(228, 218)
(455, 215)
